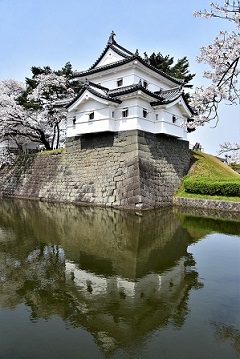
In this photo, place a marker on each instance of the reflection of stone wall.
(129, 169)
(104, 240)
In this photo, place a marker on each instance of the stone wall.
(209, 204)
(132, 169)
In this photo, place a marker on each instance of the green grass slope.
(205, 166)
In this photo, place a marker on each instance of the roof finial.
(111, 37)
(146, 58)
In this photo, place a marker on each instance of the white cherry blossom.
(223, 58)
(44, 124)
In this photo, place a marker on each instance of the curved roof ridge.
(161, 72)
(105, 97)
(100, 87)
(123, 49)
(127, 57)
(173, 89)
(107, 66)
(125, 61)
(112, 44)
(99, 58)
(88, 86)
(165, 101)
(122, 89)
(132, 88)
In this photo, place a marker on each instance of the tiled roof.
(159, 98)
(171, 94)
(168, 96)
(128, 57)
(93, 70)
(164, 101)
(100, 87)
(62, 103)
(123, 62)
(130, 89)
(91, 88)
(116, 48)
(112, 44)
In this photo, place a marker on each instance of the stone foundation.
(209, 204)
(131, 169)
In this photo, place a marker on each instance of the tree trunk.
(58, 136)
(44, 141)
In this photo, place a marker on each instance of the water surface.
(100, 283)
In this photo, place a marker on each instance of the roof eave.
(126, 60)
(164, 103)
(95, 93)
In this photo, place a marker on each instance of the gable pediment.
(86, 96)
(89, 95)
(181, 105)
(109, 58)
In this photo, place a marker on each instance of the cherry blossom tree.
(11, 113)
(19, 124)
(231, 151)
(34, 113)
(50, 95)
(223, 58)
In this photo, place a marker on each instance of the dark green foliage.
(161, 62)
(24, 101)
(209, 224)
(51, 91)
(189, 120)
(32, 84)
(46, 70)
(212, 187)
(165, 63)
(66, 70)
(181, 70)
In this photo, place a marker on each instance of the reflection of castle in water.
(118, 311)
(127, 287)
(118, 274)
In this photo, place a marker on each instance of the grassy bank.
(209, 168)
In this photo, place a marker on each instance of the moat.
(82, 282)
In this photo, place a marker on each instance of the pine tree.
(166, 64)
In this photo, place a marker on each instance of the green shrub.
(212, 188)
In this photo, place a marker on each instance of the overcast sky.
(53, 32)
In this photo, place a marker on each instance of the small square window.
(156, 116)
(74, 120)
(125, 112)
(174, 119)
(119, 82)
(91, 116)
(145, 113)
(113, 114)
(145, 84)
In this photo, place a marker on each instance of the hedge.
(210, 187)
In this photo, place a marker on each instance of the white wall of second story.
(135, 112)
(131, 74)
(91, 116)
